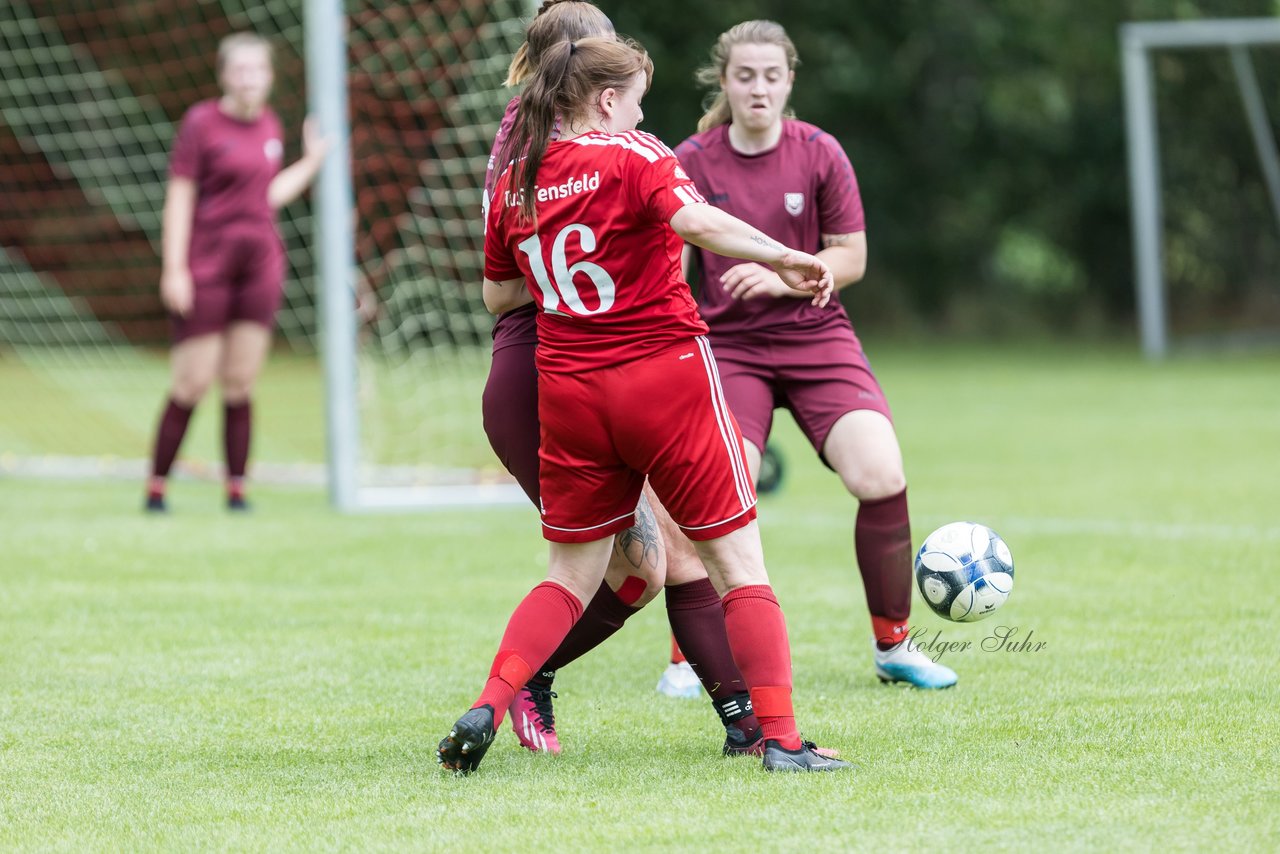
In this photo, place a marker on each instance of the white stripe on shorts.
(590, 527)
(741, 475)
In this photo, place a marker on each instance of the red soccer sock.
(757, 634)
(603, 616)
(677, 654)
(882, 542)
(537, 626)
(156, 486)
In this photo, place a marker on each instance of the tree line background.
(989, 142)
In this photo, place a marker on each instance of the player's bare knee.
(683, 564)
(734, 560)
(188, 390)
(873, 483)
(236, 388)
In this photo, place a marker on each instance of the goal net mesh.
(91, 99)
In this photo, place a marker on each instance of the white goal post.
(336, 272)
(1138, 41)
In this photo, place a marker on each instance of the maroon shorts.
(238, 274)
(663, 415)
(818, 376)
(510, 410)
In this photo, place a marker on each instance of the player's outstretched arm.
(505, 296)
(292, 180)
(725, 234)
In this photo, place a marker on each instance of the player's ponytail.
(534, 124)
(712, 75)
(563, 89)
(556, 21)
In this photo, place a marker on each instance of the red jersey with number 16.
(604, 263)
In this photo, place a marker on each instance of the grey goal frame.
(325, 31)
(1138, 41)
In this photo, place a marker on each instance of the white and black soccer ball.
(964, 571)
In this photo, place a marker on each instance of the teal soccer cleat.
(906, 663)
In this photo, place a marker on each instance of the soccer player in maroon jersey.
(793, 181)
(639, 566)
(223, 261)
(589, 226)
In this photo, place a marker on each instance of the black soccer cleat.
(155, 504)
(466, 744)
(807, 758)
(738, 743)
(237, 504)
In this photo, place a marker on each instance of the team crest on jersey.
(794, 203)
(273, 149)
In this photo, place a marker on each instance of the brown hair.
(712, 75)
(239, 40)
(569, 77)
(556, 21)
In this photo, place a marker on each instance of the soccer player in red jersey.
(794, 182)
(223, 261)
(627, 386)
(639, 566)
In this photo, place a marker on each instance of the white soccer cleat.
(906, 663)
(679, 681)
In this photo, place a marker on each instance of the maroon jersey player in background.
(638, 567)
(223, 261)
(793, 181)
(627, 386)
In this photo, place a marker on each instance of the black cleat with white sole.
(466, 744)
(807, 758)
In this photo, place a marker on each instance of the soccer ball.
(964, 571)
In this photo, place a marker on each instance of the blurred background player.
(638, 567)
(794, 182)
(626, 381)
(223, 260)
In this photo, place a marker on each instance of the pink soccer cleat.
(533, 719)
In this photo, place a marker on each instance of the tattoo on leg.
(640, 543)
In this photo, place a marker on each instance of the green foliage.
(985, 133)
(278, 681)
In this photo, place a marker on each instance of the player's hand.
(177, 291)
(315, 145)
(807, 273)
(367, 308)
(750, 280)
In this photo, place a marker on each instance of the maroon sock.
(603, 616)
(237, 426)
(538, 625)
(173, 426)
(882, 542)
(757, 634)
(697, 623)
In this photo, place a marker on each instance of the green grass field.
(280, 681)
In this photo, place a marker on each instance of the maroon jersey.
(519, 326)
(795, 192)
(604, 263)
(232, 162)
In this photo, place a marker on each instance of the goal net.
(91, 97)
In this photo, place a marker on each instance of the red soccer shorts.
(662, 415)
